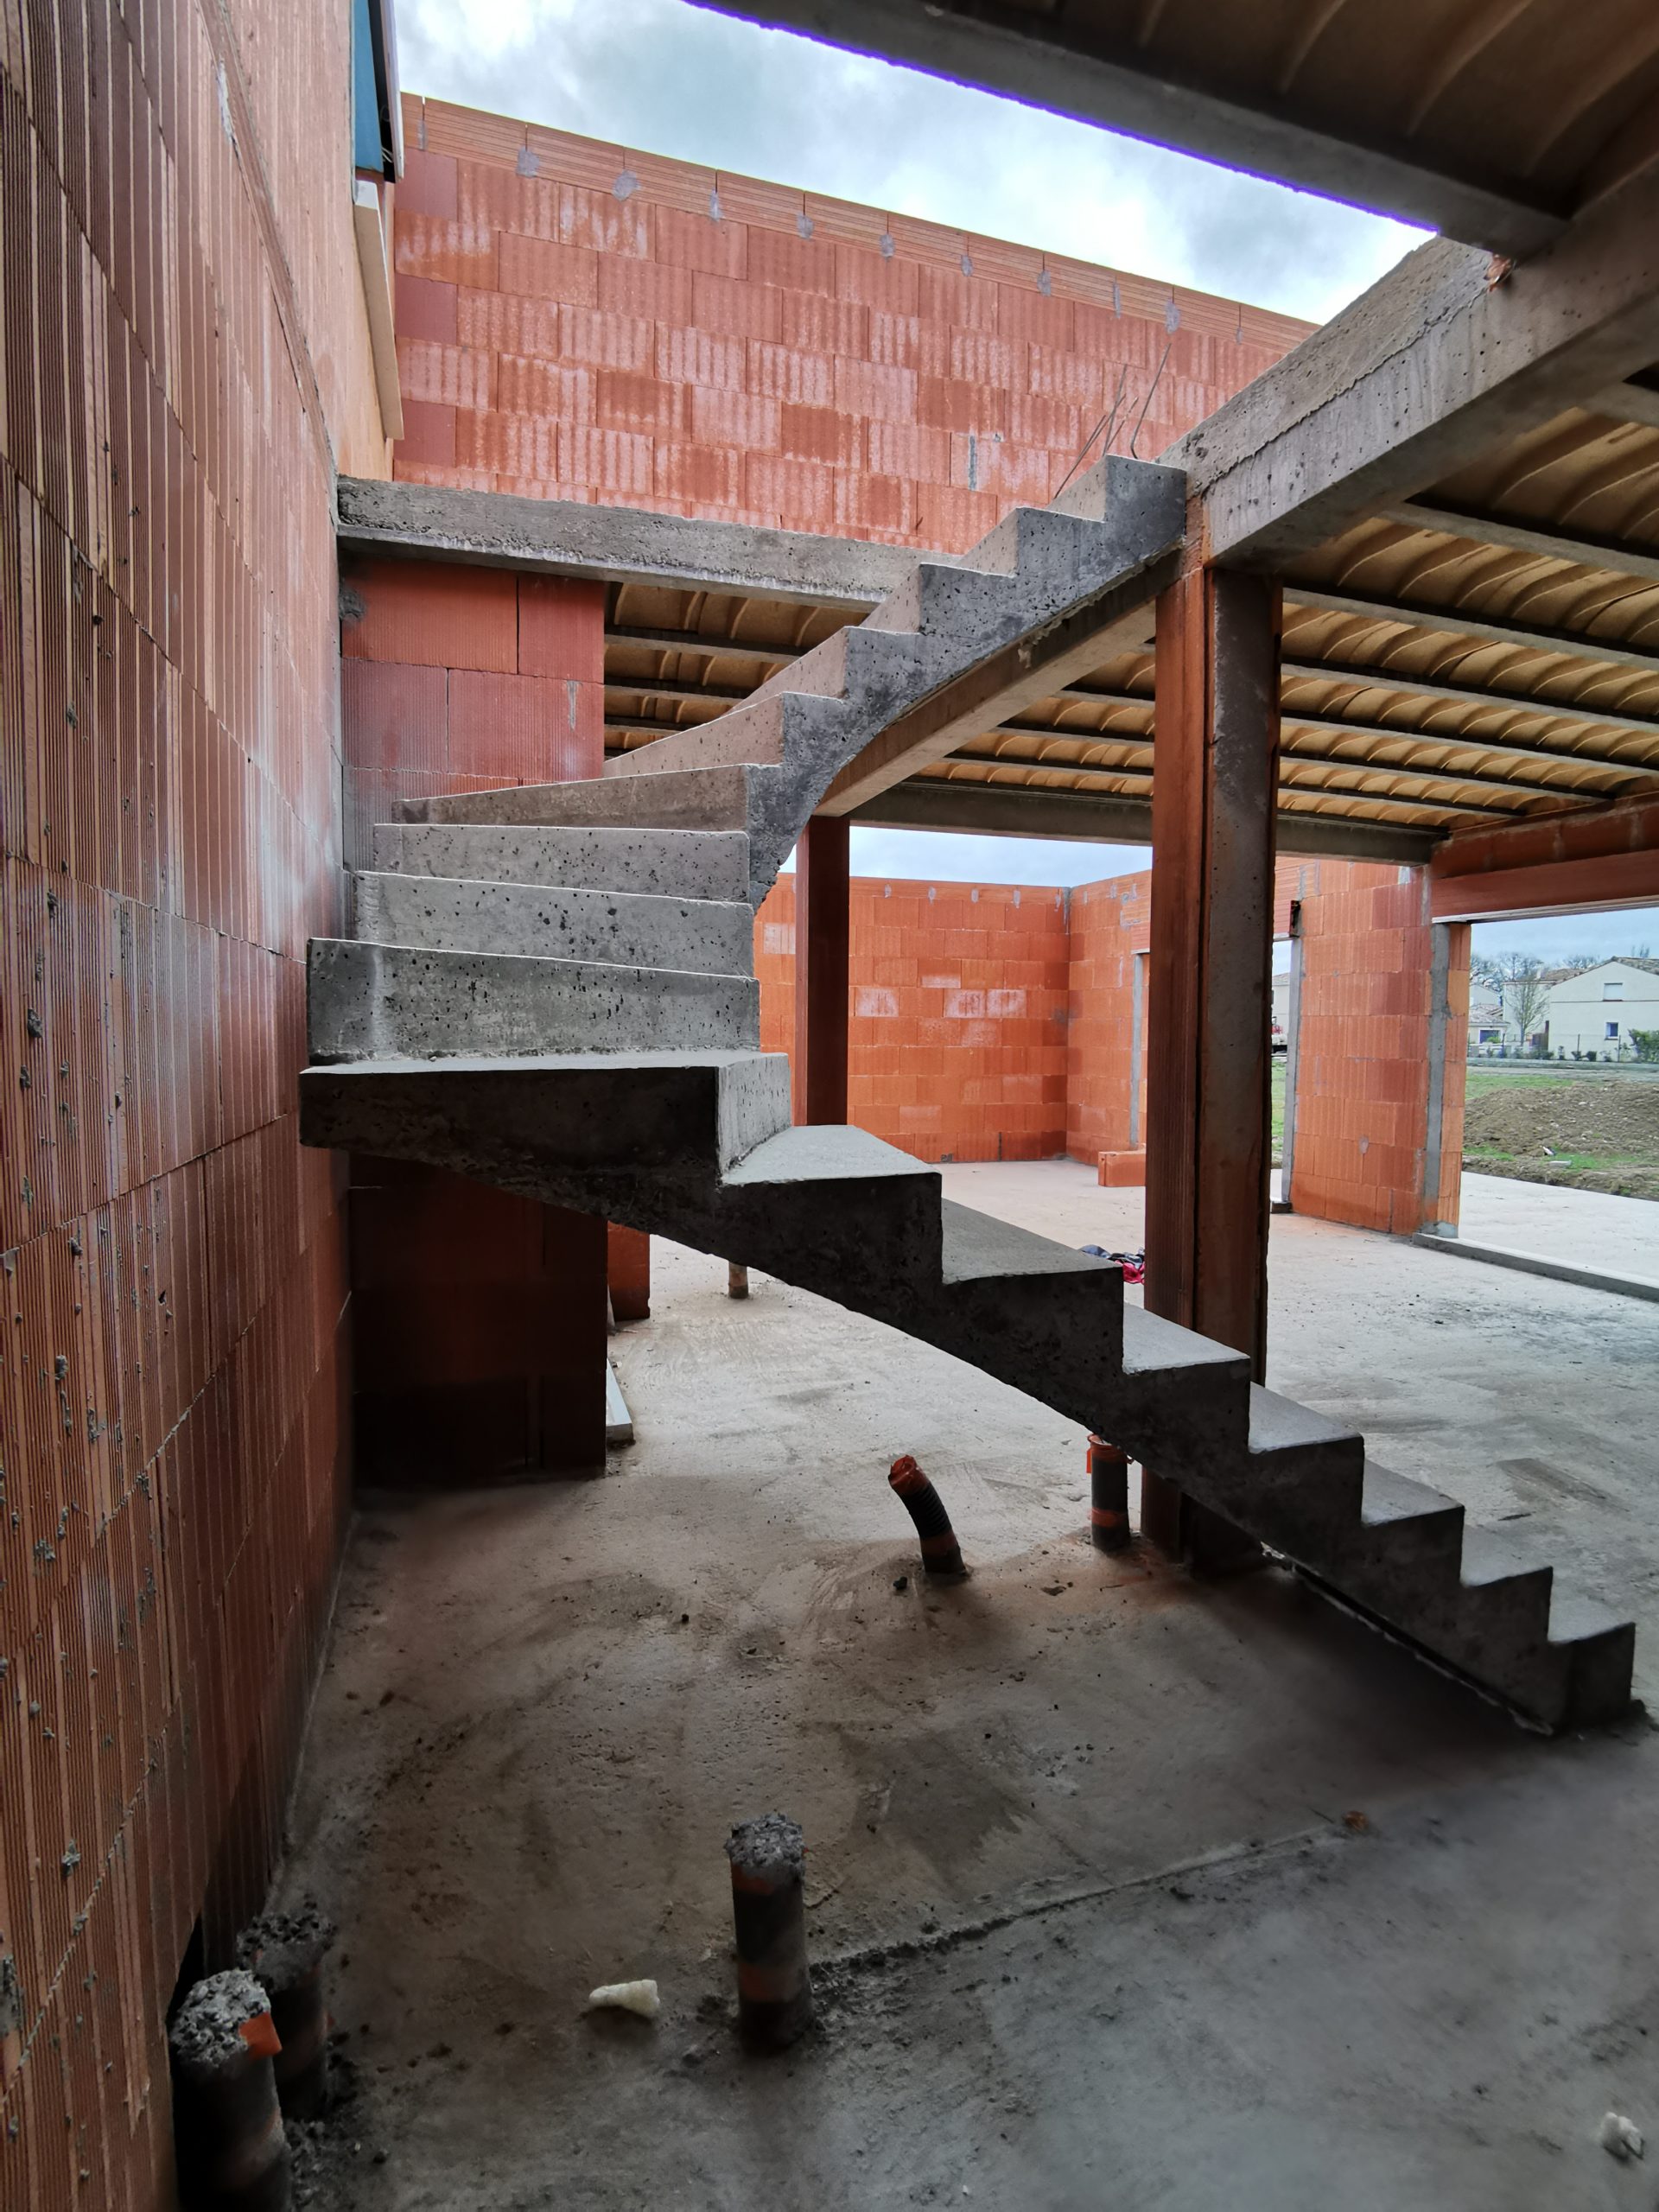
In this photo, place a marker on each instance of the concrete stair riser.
(656, 863)
(624, 929)
(374, 1001)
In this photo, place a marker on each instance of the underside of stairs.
(551, 989)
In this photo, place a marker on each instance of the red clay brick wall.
(956, 1028)
(1363, 1090)
(458, 678)
(1110, 923)
(170, 1260)
(475, 1311)
(582, 321)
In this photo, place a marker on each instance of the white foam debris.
(638, 1997)
(1619, 2136)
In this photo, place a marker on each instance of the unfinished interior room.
(758, 1446)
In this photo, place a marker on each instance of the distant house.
(1489, 1025)
(1594, 1012)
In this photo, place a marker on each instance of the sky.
(672, 78)
(1554, 937)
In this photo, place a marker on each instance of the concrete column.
(1208, 1116)
(822, 927)
(1448, 1072)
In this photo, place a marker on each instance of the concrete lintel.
(1433, 366)
(1057, 60)
(425, 522)
(1539, 1263)
(1014, 810)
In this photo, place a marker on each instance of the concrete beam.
(1063, 59)
(1014, 811)
(1466, 694)
(1629, 402)
(1456, 622)
(1433, 366)
(1513, 532)
(424, 522)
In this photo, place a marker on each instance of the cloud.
(668, 78)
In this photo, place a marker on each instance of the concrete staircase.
(551, 989)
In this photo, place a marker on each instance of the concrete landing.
(1092, 1923)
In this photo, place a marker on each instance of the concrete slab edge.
(1539, 1264)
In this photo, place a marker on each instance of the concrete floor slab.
(1092, 1925)
(1587, 1229)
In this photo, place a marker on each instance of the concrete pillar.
(822, 927)
(1208, 1117)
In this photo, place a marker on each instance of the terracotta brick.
(561, 628)
(782, 372)
(735, 307)
(701, 475)
(438, 248)
(735, 418)
(791, 262)
(605, 341)
(428, 434)
(867, 388)
(543, 269)
(451, 376)
(689, 240)
(427, 186)
(506, 322)
(530, 730)
(878, 279)
(1032, 318)
(865, 503)
(596, 218)
(393, 717)
(803, 490)
(820, 434)
(948, 403)
(530, 386)
(700, 357)
(625, 401)
(426, 309)
(613, 462)
(644, 289)
(907, 449)
(427, 614)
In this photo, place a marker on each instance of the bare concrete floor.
(1093, 1927)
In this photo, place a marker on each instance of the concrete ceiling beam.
(1457, 622)
(1482, 527)
(1442, 360)
(1057, 60)
(1016, 811)
(1627, 402)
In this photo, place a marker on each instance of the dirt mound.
(1599, 1134)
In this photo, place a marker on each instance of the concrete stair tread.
(1389, 1499)
(1151, 1344)
(1576, 1616)
(977, 1245)
(824, 1152)
(1279, 1424)
(715, 798)
(1491, 1556)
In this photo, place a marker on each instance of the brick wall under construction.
(185, 356)
(579, 321)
